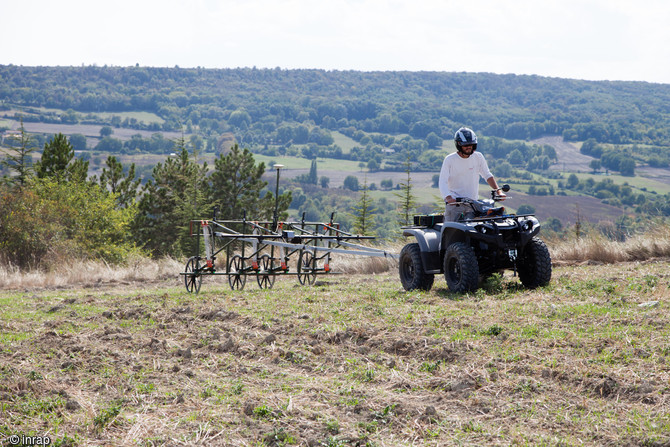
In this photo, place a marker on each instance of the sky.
(578, 39)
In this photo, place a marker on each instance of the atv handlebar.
(494, 197)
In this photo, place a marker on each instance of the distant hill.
(256, 102)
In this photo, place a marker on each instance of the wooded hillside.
(257, 102)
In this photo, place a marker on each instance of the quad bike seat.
(485, 208)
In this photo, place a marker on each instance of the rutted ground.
(353, 360)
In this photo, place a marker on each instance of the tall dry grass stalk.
(83, 273)
(352, 264)
(596, 247)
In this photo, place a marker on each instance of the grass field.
(352, 360)
(325, 164)
(146, 117)
(638, 182)
(344, 141)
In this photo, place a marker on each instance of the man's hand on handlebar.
(499, 195)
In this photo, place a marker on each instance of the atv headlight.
(528, 224)
(485, 229)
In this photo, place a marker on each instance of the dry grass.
(596, 247)
(86, 273)
(351, 264)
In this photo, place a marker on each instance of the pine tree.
(197, 191)
(237, 188)
(177, 194)
(58, 161)
(183, 190)
(77, 171)
(406, 198)
(58, 152)
(19, 158)
(578, 223)
(123, 185)
(312, 178)
(363, 213)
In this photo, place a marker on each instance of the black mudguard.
(429, 242)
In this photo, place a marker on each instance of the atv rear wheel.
(461, 269)
(412, 274)
(535, 264)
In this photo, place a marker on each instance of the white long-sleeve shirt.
(459, 177)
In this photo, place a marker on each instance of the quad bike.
(474, 248)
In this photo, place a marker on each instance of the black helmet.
(465, 137)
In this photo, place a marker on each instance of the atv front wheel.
(461, 269)
(412, 274)
(535, 264)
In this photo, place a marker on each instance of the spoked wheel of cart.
(306, 268)
(266, 277)
(192, 277)
(237, 276)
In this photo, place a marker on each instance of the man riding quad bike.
(472, 248)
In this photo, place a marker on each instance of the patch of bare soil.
(569, 157)
(351, 361)
(659, 174)
(571, 160)
(565, 208)
(419, 179)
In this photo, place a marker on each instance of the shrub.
(49, 220)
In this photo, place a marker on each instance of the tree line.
(269, 106)
(52, 210)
